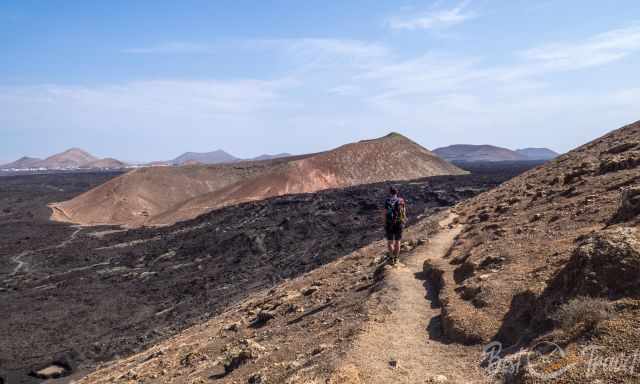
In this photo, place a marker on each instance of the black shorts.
(394, 232)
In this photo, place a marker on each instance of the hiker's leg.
(388, 232)
(398, 238)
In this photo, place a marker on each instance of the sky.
(147, 80)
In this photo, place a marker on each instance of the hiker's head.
(393, 191)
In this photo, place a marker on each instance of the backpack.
(396, 211)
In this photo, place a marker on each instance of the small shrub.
(589, 311)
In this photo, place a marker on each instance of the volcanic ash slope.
(165, 195)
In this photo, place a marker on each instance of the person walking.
(395, 218)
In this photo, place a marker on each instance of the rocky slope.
(100, 293)
(534, 248)
(159, 196)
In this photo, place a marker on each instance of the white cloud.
(345, 90)
(157, 119)
(598, 50)
(146, 105)
(425, 75)
(203, 97)
(330, 84)
(434, 19)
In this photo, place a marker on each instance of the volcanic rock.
(630, 203)
(606, 263)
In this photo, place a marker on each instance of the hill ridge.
(165, 195)
(72, 158)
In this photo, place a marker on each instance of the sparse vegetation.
(588, 311)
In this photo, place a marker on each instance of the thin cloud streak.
(436, 19)
(598, 50)
(172, 48)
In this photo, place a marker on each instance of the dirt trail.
(404, 347)
(24, 266)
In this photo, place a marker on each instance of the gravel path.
(398, 348)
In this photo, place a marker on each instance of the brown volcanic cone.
(72, 158)
(560, 232)
(166, 195)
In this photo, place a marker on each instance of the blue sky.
(147, 80)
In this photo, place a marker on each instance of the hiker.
(395, 217)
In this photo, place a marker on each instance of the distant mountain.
(23, 163)
(74, 158)
(270, 157)
(71, 158)
(491, 153)
(471, 153)
(537, 153)
(215, 157)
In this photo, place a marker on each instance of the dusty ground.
(80, 296)
(562, 231)
(404, 343)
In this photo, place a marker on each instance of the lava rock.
(237, 355)
(484, 216)
(629, 204)
(310, 291)
(257, 378)
(263, 317)
(53, 371)
(606, 263)
(624, 147)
